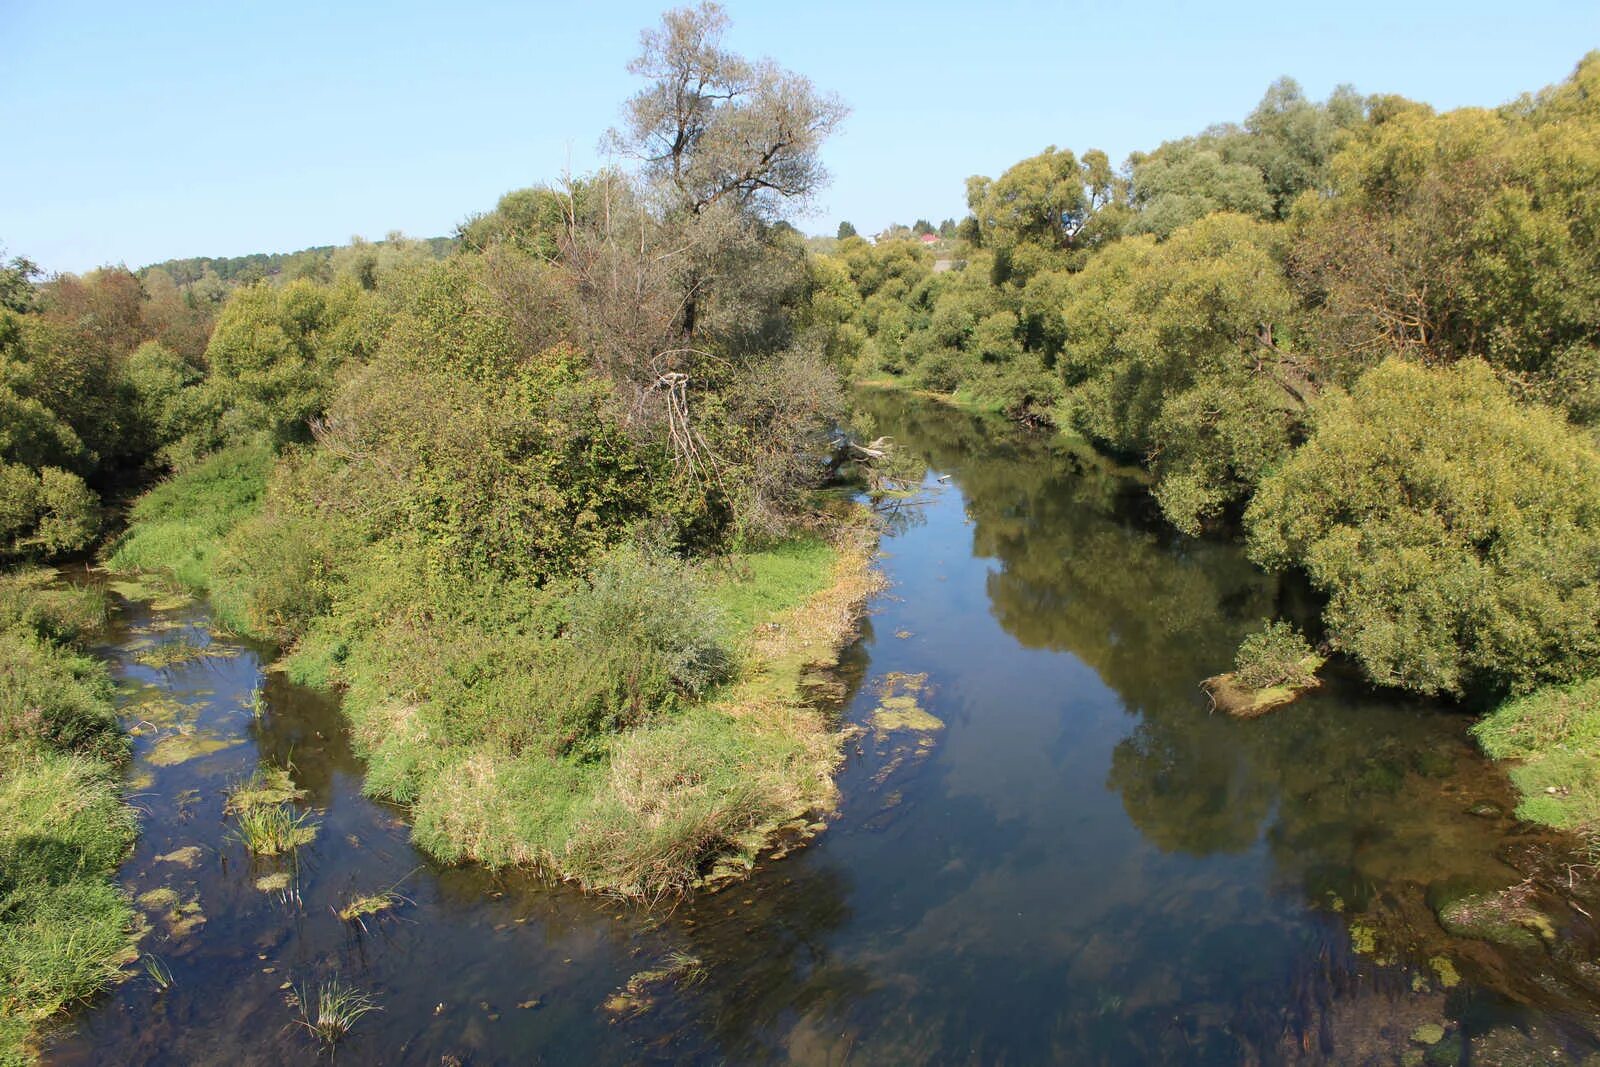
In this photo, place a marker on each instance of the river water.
(1062, 856)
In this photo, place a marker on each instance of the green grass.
(1554, 734)
(36, 599)
(273, 829)
(64, 925)
(331, 1011)
(176, 528)
(753, 587)
(517, 738)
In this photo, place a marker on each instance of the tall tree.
(712, 126)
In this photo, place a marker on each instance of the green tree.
(273, 355)
(846, 230)
(1175, 352)
(1455, 532)
(712, 125)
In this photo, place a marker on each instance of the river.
(1060, 855)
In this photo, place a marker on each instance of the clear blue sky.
(140, 131)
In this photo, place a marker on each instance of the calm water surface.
(1083, 865)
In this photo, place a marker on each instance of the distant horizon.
(187, 131)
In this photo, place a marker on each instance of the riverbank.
(1551, 740)
(634, 732)
(66, 929)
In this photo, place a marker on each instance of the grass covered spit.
(635, 728)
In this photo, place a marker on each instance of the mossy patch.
(1503, 918)
(267, 787)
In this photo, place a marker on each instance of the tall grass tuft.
(273, 830)
(333, 1011)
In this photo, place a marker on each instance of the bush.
(642, 636)
(38, 601)
(1456, 533)
(45, 513)
(277, 572)
(1275, 655)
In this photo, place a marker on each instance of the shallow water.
(1071, 861)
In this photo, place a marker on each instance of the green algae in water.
(158, 597)
(187, 856)
(183, 747)
(904, 713)
(898, 707)
(1446, 971)
(158, 900)
(267, 787)
(1428, 1034)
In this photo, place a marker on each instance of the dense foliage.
(501, 496)
(1456, 533)
(1364, 329)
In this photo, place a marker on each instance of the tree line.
(1363, 331)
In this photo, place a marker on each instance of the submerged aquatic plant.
(159, 972)
(171, 653)
(335, 1009)
(273, 830)
(358, 907)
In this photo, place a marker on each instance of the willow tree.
(726, 147)
(712, 125)
(1455, 531)
(726, 143)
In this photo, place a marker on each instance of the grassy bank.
(175, 530)
(1553, 735)
(632, 728)
(962, 398)
(692, 789)
(65, 927)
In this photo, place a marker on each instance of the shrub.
(45, 513)
(1275, 655)
(38, 601)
